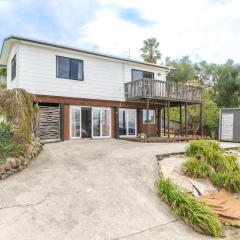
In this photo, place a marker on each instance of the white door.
(101, 122)
(127, 122)
(227, 126)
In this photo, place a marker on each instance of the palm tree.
(150, 52)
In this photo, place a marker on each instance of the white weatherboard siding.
(15, 83)
(103, 78)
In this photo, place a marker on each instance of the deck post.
(164, 121)
(186, 120)
(201, 119)
(180, 120)
(168, 113)
(159, 122)
(148, 127)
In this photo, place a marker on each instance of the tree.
(150, 52)
(227, 86)
(206, 73)
(184, 71)
(210, 113)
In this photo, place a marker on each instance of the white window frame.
(80, 108)
(128, 110)
(145, 114)
(70, 121)
(110, 122)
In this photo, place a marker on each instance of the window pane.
(96, 122)
(13, 68)
(137, 75)
(63, 67)
(151, 118)
(122, 122)
(106, 122)
(76, 69)
(148, 75)
(131, 122)
(76, 122)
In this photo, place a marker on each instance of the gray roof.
(56, 45)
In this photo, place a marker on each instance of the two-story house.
(85, 94)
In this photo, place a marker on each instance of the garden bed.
(210, 175)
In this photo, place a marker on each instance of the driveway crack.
(145, 230)
(27, 205)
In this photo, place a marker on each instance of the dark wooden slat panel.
(49, 122)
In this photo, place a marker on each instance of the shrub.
(226, 169)
(5, 132)
(10, 144)
(17, 106)
(228, 163)
(202, 147)
(196, 168)
(193, 212)
(228, 180)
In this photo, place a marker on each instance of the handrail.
(157, 89)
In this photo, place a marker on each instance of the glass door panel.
(132, 122)
(127, 122)
(101, 122)
(122, 122)
(76, 123)
(96, 121)
(106, 123)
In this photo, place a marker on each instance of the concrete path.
(90, 190)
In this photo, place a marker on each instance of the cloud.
(133, 15)
(206, 29)
(201, 29)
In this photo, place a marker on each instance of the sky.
(202, 29)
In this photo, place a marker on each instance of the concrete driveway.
(90, 189)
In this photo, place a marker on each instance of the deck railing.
(166, 90)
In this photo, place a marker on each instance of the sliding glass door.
(101, 122)
(127, 122)
(90, 122)
(75, 122)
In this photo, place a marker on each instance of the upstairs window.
(69, 68)
(13, 67)
(151, 116)
(139, 75)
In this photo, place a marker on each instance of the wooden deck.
(163, 90)
(164, 139)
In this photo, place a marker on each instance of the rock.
(1, 168)
(170, 167)
(7, 165)
(14, 163)
(177, 179)
(202, 187)
(232, 151)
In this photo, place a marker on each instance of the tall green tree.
(184, 70)
(150, 52)
(227, 86)
(206, 73)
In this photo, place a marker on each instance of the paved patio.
(91, 189)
